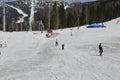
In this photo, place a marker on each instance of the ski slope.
(32, 56)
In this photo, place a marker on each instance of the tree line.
(57, 16)
(84, 13)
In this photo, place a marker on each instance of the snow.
(21, 19)
(32, 56)
(66, 7)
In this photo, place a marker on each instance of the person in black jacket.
(63, 46)
(100, 49)
(56, 42)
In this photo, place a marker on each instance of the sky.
(81, 0)
(66, 0)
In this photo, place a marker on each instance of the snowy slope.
(20, 12)
(32, 56)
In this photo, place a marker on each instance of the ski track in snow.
(30, 56)
(21, 19)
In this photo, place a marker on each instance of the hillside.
(32, 56)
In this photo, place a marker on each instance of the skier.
(5, 44)
(63, 46)
(71, 33)
(56, 43)
(100, 49)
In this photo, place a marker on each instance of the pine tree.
(55, 17)
(45, 18)
(63, 17)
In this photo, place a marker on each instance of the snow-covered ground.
(32, 56)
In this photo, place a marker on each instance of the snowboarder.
(70, 32)
(63, 46)
(100, 49)
(56, 43)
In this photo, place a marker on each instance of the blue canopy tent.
(96, 25)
